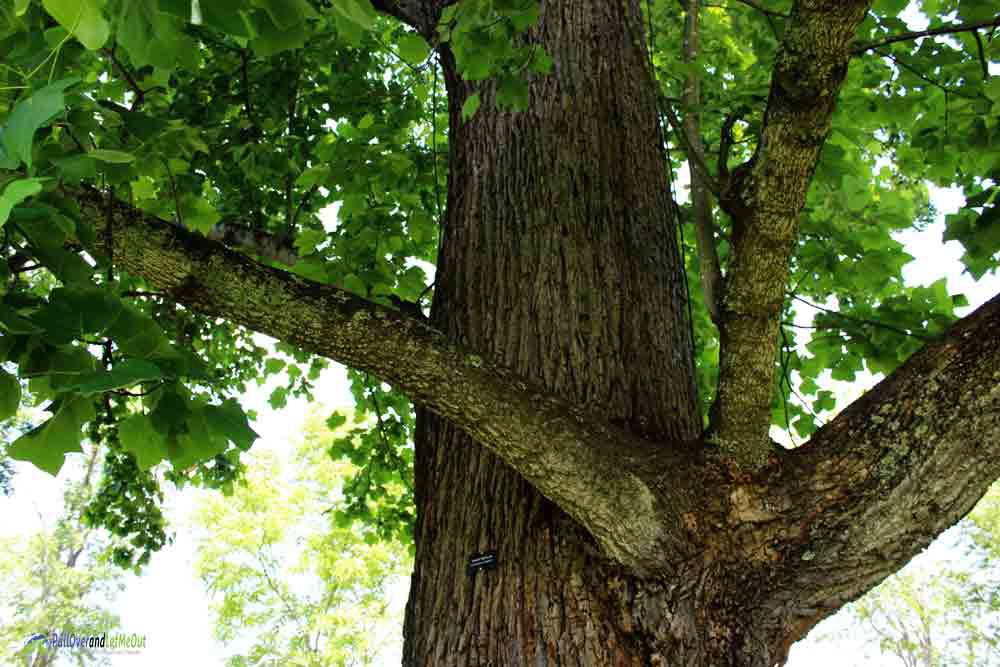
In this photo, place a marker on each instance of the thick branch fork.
(924, 440)
(593, 470)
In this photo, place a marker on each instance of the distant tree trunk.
(559, 257)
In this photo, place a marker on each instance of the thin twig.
(302, 202)
(982, 55)
(913, 70)
(917, 34)
(293, 100)
(434, 125)
(785, 357)
(173, 189)
(140, 293)
(140, 94)
(245, 84)
(255, 130)
(860, 320)
(26, 269)
(137, 394)
(762, 9)
(693, 158)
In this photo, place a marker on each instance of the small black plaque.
(484, 561)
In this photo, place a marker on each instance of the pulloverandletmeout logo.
(102, 642)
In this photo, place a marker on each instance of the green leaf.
(154, 37)
(359, 12)
(353, 283)
(82, 18)
(182, 8)
(138, 335)
(313, 176)
(541, 62)
(273, 365)
(199, 443)
(61, 367)
(512, 93)
(307, 241)
(335, 421)
(12, 322)
(29, 115)
(228, 16)
(139, 436)
(15, 193)
(231, 422)
(111, 156)
(75, 168)
(126, 373)
(287, 13)
(47, 237)
(470, 106)
(47, 445)
(413, 48)
(10, 395)
(76, 310)
(273, 39)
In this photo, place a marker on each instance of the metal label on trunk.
(483, 561)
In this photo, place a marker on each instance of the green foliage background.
(282, 570)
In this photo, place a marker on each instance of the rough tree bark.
(559, 260)
(557, 420)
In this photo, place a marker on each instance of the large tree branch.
(877, 484)
(765, 199)
(595, 471)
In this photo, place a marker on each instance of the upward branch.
(593, 470)
(765, 203)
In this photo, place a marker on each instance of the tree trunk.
(559, 258)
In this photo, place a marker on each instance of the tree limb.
(765, 199)
(917, 34)
(595, 471)
(701, 203)
(876, 485)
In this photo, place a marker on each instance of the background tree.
(594, 398)
(287, 571)
(59, 579)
